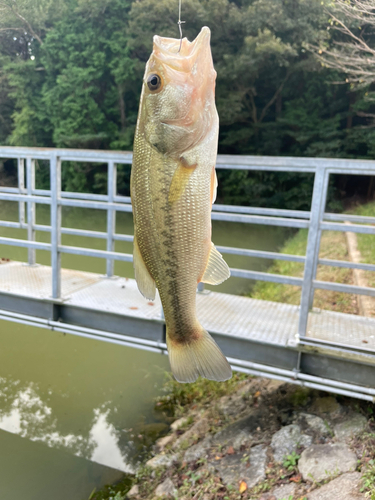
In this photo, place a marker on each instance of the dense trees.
(71, 70)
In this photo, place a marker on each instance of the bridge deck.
(226, 315)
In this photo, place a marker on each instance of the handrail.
(316, 220)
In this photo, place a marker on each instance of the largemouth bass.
(173, 186)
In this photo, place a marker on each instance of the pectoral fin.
(217, 269)
(145, 282)
(180, 180)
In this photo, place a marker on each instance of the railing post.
(321, 216)
(55, 180)
(313, 242)
(30, 179)
(111, 215)
(21, 188)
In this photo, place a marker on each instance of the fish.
(173, 186)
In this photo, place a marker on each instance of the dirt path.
(366, 304)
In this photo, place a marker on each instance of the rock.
(162, 442)
(241, 439)
(232, 436)
(133, 492)
(161, 460)
(232, 469)
(345, 487)
(287, 440)
(198, 430)
(273, 386)
(235, 404)
(316, 424)
(177, 424)
(198, 450)
(284, 491)
(327, 405)
(166, 489)
(351, 426)
(240, 432)
(321, 461)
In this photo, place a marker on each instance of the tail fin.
(201, 356)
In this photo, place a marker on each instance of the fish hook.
(179, 22)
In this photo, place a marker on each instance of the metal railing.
(316, 220)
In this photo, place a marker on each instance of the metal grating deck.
(35, 281)
(339, 328)
(230, 315)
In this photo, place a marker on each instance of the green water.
(75, 412)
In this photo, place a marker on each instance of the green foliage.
(203, 391)
(277, 292)
(368, 480)
(290, 462)
(113, 492)
(366, 241)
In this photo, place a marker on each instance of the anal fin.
(145, 282)
(217, 269)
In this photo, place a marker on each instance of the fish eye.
(154, 82)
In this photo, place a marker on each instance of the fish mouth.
(167, 50)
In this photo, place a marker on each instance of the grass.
(364, 446)
(182, 397)
(368, 478)
(366, 242)
(333, 246)
(283, 293)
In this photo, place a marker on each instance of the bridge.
(314, 348)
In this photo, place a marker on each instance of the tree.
(352, 53)
(71, 75)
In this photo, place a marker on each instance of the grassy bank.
(178, 400)
(333, 246)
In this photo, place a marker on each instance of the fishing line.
(179, 22)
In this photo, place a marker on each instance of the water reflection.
(23, 412)
(67, 407)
